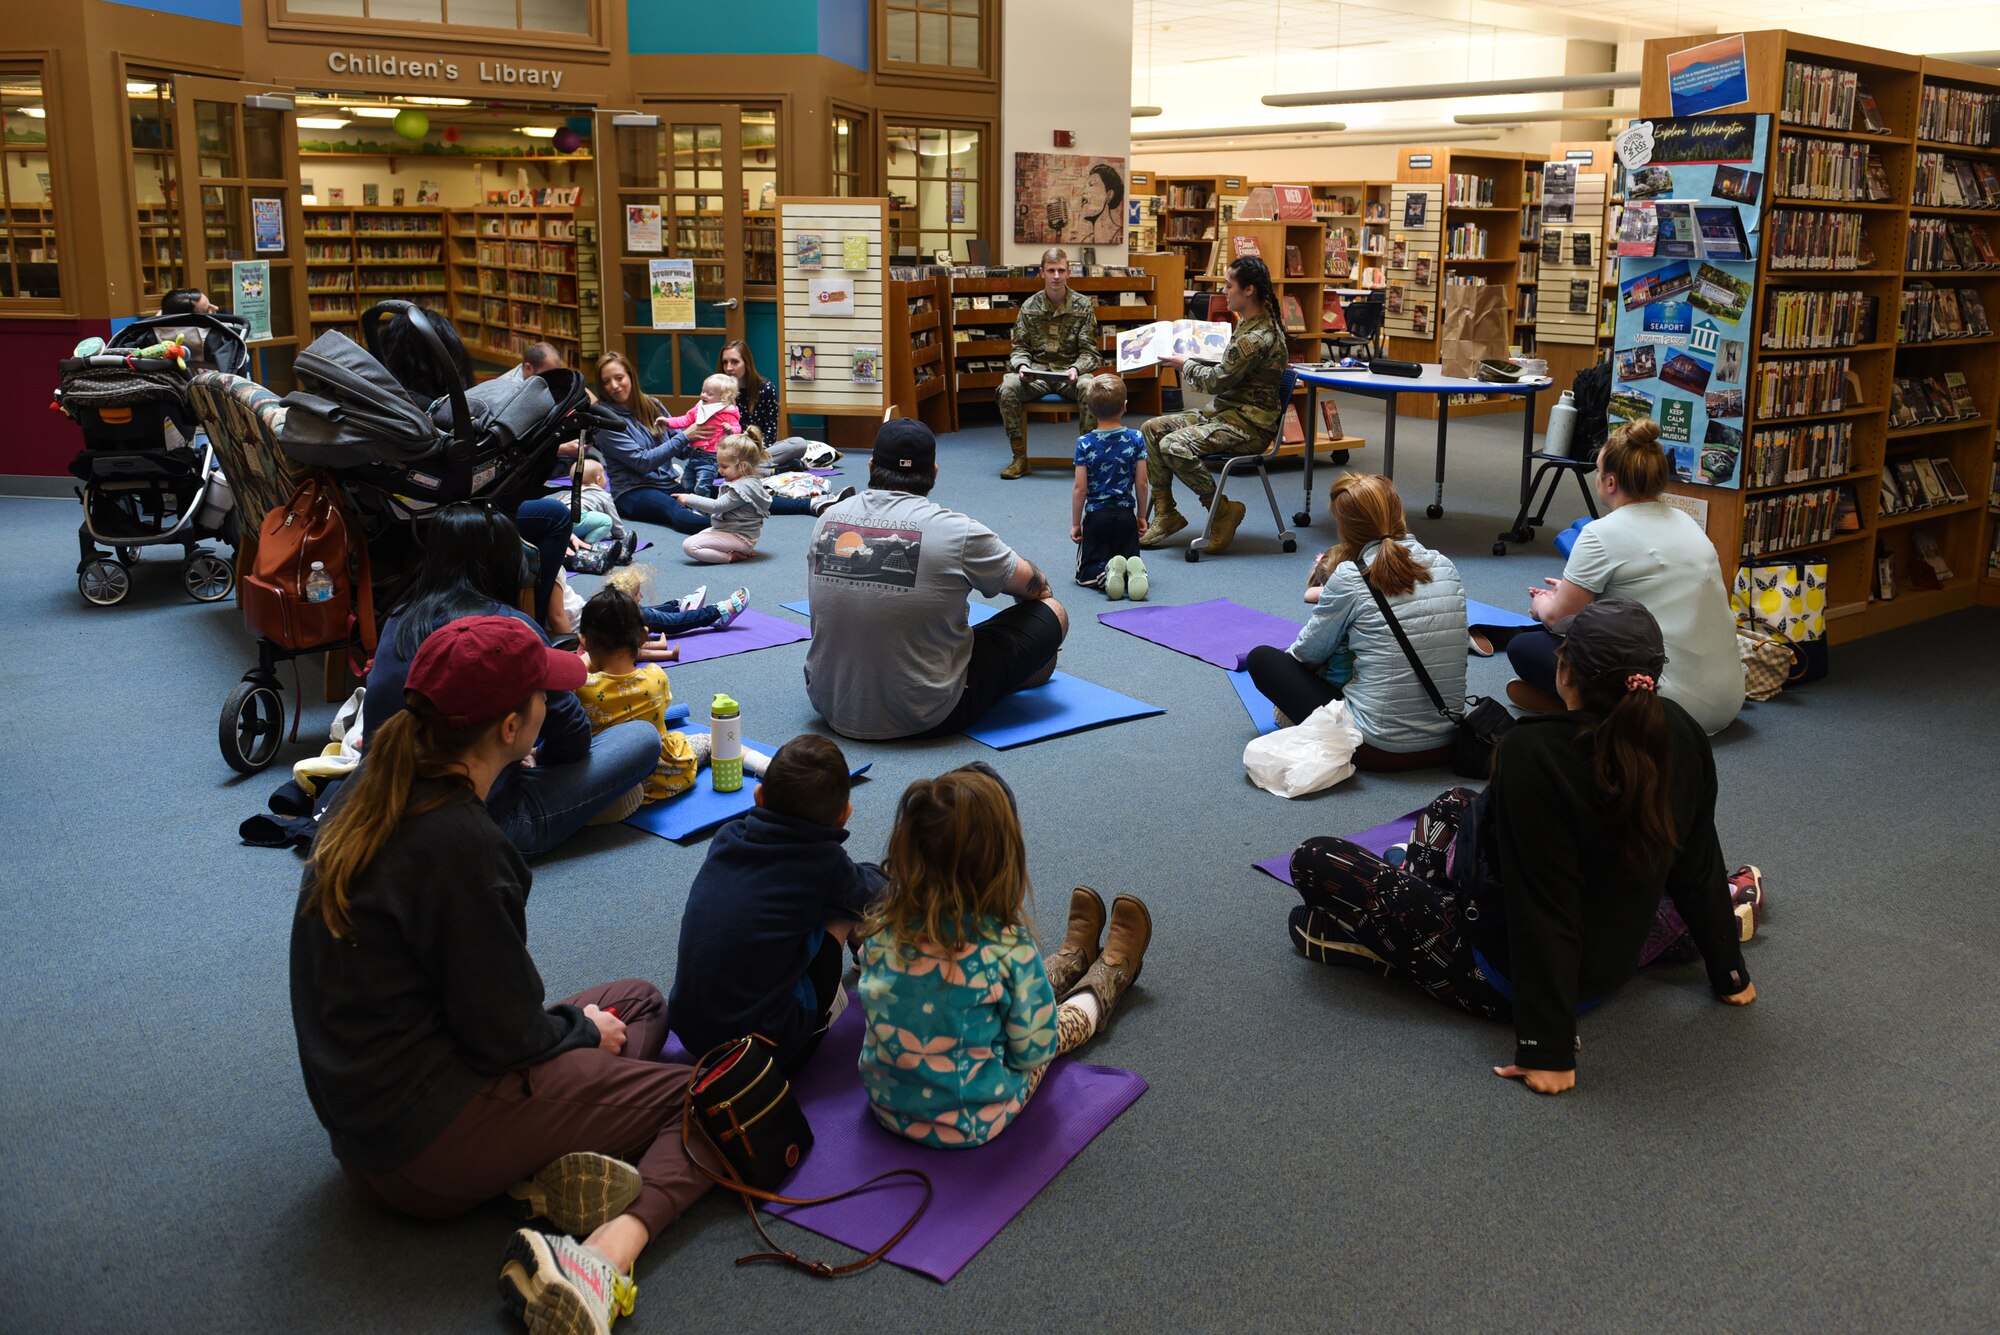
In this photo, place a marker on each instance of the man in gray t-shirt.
(889, 570)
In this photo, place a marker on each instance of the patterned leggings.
(1397, 921)
(1073, 1030)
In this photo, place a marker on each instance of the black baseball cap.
(907, 444)
(1610, 636)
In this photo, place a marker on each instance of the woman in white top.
(1645, 550)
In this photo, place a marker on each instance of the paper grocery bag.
(1476, 325)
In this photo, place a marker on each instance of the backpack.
(315, 525)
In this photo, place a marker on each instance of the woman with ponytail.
(1532, 900)
(1645, 550)
(430, 1057)
(1347, 650)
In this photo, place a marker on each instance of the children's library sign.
(495, 72)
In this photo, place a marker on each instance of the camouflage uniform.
(1240, 421)
(1053, 340)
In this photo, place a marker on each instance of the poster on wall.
(672, 285)
(1708, 77)
(1069, 197)
(1686, 305)
(642, 229)
(831, 296)
(250, 289)
(267, 225)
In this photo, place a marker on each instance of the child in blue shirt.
(963, 1015)
(1109, 499)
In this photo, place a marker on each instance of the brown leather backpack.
(315, 525)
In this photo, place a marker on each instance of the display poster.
(642, 229)
(250, 286)
(831, 296)
(1067, 197)
(1708, 77)
(267, 225)
(1558, 192)
(1685, 311)
(672, 286)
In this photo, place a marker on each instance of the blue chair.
(1228, 465)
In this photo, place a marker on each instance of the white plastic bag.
(1316, 754)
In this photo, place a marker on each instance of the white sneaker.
(695, 599)
(561, 1287)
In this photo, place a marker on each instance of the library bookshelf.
(357, 256)
(514, 279)
(1190, 218)
(919, 318)
(1883, 361)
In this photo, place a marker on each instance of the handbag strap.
(1409, 650)
(748, 1194)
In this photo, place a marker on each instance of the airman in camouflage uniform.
(1240, 421)
(1053, 335)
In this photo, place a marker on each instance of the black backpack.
(1592, 395)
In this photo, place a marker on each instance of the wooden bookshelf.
(1286, 247)
(1961, 530)
(1190, 220)
(919, 314)
(1358, 213)
(1470, 236)
(514, 279)
(983, 336)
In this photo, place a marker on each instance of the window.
(943, 34)
(933, 175)
(568, 16)
(156, 202)
(28, 261)
(846, 155)
(760, 196)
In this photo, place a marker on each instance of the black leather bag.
(1476, 729)
(740, 1108)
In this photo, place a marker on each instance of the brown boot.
(1079, 948)
(1019, 468)
(1222, 528)
(1124, 953)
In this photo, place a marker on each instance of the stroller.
(395, 464)
(148, 477)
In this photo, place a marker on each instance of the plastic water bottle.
(1562, 426)
(319, 584)
(725, 735)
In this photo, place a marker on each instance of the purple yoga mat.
(752, 630)
(977, 1192)
(1374, 840)
(1217, 631)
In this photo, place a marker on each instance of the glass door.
(679, 196)
(239, 165)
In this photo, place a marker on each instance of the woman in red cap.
(430, 1056)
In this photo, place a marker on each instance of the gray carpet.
(1318, 1149)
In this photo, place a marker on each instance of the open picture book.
(1148, 343)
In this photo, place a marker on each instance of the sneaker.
(621, 806)
(561, 1287)
(1114, 579)
(820, 504)
(733, 607)
(1746, 895)
(695, 599)
(578, 1192)
(1165, 524)
(1137, 582)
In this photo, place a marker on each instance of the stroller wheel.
(104, 583)
(127, 555)
(253, 723)
(207, 577)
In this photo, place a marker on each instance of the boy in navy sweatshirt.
(770, 911)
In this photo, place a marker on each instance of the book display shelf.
(1355, 215)
(514, 279)
(1576, 263)
(1294, 253)
(1189, 218)
(920, 319)
(356, 257)
(1454, 217)
(1527, 263)
(1872, 277)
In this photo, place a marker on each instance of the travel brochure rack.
(1571, 274)
(1881, 415)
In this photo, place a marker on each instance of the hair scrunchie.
(1641, 681)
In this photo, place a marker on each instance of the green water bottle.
(725, 735)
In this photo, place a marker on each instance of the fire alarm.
(1065, 138)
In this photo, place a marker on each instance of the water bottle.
(319, 584)
(1562, 426)
(725, 735)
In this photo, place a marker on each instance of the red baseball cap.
(476, 669)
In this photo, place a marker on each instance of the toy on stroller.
(148, 477)
(392, 464)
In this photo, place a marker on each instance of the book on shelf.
(809, 248)
(866, 365)
(1245, 247)
(1294, 313)
(1950, 115)
(1782, 455)
(1928, 568)
(1295, 262)
(1806, 318)
(802, 362)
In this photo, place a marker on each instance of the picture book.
(371, 194)
(801, 362)
(854, 250)
(1145, 345)
(867, 365)
(1245, 247)
(809, 247)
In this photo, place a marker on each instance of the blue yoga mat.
(1263, 714)
(1063, 705)
(700, 809)
(974, 612)
(1486, 614)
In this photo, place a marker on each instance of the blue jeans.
(656, 505)
(1532, 654)
(668, 619)
(544, 525)
(542, 807)
(791, 505)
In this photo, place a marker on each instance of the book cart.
(1861, 379)
(1457, 217)
(1572, 274)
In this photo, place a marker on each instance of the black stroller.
(148, 477)
(396, 463)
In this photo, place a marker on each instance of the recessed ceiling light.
(537, 131)
(440, 101)
(373, 113)
(138, 89)
(321, 122)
